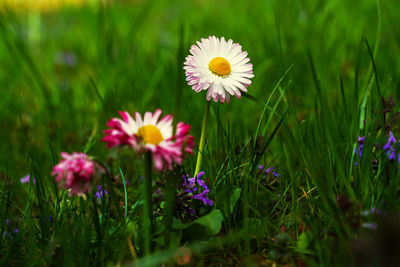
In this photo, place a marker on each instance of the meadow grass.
(321, 71)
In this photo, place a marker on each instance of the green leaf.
(234, 198)
(212, 221)
(136, 206)
(304, 240)
(92, 140)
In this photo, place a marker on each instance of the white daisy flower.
(219, 66)
(151, 134)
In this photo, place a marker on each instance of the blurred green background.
(67, 69)
(131, 51)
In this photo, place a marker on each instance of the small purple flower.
(359, 149)
(372, 211)
(390, 147)
(5, 234)
(66, 58)
(361, 140)
(100, 192)
(268, 171)
(26, 179)
(190, 187)
(158, 191)
(369, 225)
(10, 234)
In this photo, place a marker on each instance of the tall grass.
(321, 69)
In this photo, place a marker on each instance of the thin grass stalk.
(125, 193)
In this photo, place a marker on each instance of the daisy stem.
(148, 203)
(170, 187)
(202, 139)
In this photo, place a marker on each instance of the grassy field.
(324, 74)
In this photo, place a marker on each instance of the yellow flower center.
(220, 66)
(150, 134)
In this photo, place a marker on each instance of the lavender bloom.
(368, 225)
(202, 196)
(360, 147)
(11, 234)
(100, 192)
(361, 140)
(268, 171)
(190, 211)
(372, 211)
(190, 185)
(66, 58)
(26, 179)
(390, 147)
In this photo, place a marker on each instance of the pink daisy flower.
(151, 134)
(219, 66)
(76, 172)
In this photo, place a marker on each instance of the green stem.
(169, 207)
(125, 193)
(202, 138)
(148, 203)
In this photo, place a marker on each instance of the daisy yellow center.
(150, 134)
(220, 66)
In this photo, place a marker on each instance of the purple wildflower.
(268, 171)
(8, 233)
(390, 147)
(26, 179)
(190, 187)
(361, 140)
(158, 191)
(66, 58)
(372, 211)
(359, 149)
(369, 225)
(100, 192)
